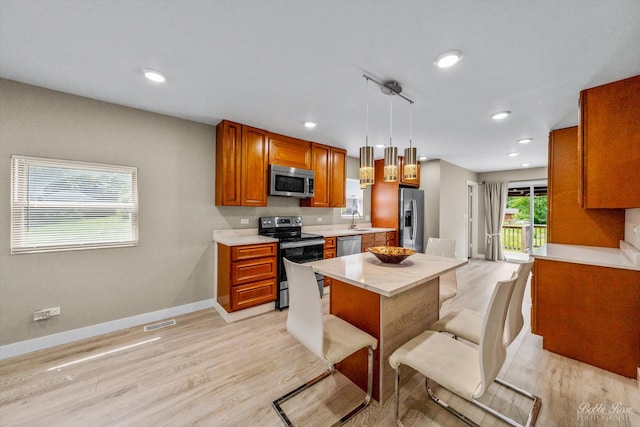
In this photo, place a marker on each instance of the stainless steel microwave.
(291, 182)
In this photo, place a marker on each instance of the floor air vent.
(160, 325)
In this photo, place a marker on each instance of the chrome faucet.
(353, 217)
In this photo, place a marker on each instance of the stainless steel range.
(294, 245)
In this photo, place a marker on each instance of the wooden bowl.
(391, 254)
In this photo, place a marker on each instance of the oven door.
(300, 252)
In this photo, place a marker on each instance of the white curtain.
(495, 202)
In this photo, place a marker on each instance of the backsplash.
(632, 227)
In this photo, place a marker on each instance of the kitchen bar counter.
(625, 257)
(365, 271)
(393, 303)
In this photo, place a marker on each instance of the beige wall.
(173, 264)
(445, 186)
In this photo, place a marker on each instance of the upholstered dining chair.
(448, 281)
(328, 337)
(460, 368)
(466, 324)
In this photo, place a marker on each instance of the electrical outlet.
(319, 219)
(635, 229)
(244, 221)
(46, 313)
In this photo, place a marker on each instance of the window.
(63, 205)
(354, 199)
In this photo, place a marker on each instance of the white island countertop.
(626, 257)
(364, 270)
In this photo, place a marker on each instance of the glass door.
(525, 222)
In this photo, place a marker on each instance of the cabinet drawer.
(380, 239)
(252, 294)
(391, 238)
(248, 271)
(329, 243)
(253, 251)
(330, 253)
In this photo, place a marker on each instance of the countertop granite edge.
(625, 257)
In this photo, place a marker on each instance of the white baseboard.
(243, 314)
(22, 347)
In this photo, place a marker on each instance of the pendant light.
(366, 171)
(391, 152)
(410, 168)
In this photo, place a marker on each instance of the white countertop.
(625, 257)
(246, 236)
(249, 236)
(346, 231)
(366, 271)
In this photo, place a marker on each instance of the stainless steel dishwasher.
(348, 245)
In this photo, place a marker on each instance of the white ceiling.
(274, 64)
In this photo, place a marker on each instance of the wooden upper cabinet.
(407, 182)
(567, 222)
(287, 151)
(242, 155)
(338, 175)
(329, 165)
(609, 145)
(255, 167)
(228, 163)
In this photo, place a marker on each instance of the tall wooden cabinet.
(567, 222)
(329, 165)
(609, 145)
(242, 159)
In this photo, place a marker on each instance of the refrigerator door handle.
(414, 230)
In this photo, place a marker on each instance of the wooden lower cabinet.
(588, 313)
(370, 240)
(247, 275)
(330, 251)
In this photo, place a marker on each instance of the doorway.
(471, 220)
(525, 222)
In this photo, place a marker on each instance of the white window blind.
(65, 205)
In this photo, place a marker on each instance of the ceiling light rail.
(389, 88)
(410, 166)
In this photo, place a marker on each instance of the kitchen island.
(392, 302)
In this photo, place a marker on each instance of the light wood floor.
(206, 372)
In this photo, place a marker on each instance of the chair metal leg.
(446, 406)
(531, 419)
(537, 402)
(276, 403)
(396, 413)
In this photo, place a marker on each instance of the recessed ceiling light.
(525, 140)
(422, 158)
(448, 59)
(525, 165)
(379, 145)
(500, 115)
(153, 75)
(310, 125)
(513, 154)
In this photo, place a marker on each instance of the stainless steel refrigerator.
(411, 216)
